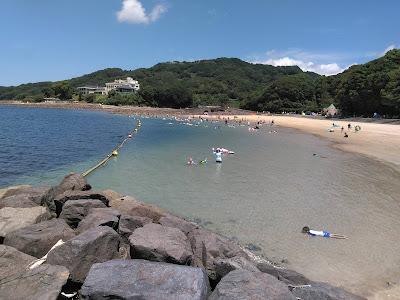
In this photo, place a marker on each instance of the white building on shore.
(86, 90)
(128, 85)
(123, 85)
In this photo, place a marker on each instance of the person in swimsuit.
(326, 234)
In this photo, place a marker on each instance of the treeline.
(361, 90)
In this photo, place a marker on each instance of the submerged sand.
(378, 141)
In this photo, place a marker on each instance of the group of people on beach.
(349, 127)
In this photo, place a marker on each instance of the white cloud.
(302, 59)
(132, 11)
(388, 48)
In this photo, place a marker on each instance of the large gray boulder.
(21, 200)
(60, 200)
(225, 265)
(74, 211)
(12, 218)
(37, 239)
(246, 285)
(75, 182)
(323, 291)
(158, 243)
(140, 279)
(100, 217)
(130, 206)
(173, 221)
(95, 245)
(33, 193)
(287, 276)
(18, 282)
(128, 224)
(208, 246)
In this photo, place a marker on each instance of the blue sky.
(59, 39)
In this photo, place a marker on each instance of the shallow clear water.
(263, 195)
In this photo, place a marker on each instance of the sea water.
(261, 196)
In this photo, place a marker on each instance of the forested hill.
(360, 90)
(213, 81)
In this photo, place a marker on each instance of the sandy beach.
(377, 140)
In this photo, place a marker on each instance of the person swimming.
(204, 161)
(326, 234)
(190, 161)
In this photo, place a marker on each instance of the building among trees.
(331, 111)
(128, 85)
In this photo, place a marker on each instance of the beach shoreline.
(367, 140)
(377, 139)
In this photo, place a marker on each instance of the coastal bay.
(265, 193)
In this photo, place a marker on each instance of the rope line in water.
(115, 150)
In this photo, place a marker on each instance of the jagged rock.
(21, 200)
(75, 182)
(225, 265)
(60, 200)
(158, 243)
(207, 246)
(74, 211)
(130, 206)
(112, 195)
(19, 283)
(128, 224)
(35, 194)
(12, 218)
(173, 221)
(323, 291)
(37, 239)
(282, 274)
(245, 285)
(100, 217)
(11, 190)
(95, 245)
(140, 279)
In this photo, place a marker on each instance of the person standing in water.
(326, 234)
(218, 155)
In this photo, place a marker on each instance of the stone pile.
(116, 247)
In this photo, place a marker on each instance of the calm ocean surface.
(263, 195)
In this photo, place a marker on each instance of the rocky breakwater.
(115, 247)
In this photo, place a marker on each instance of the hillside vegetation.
(361, 90)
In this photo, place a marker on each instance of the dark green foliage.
(360, 90)
(372, 87)
(294, 93)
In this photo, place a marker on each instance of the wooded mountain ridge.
(360, 90)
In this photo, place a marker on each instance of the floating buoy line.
(114, 152)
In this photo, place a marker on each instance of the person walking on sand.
(342, 129)
(326, 234)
